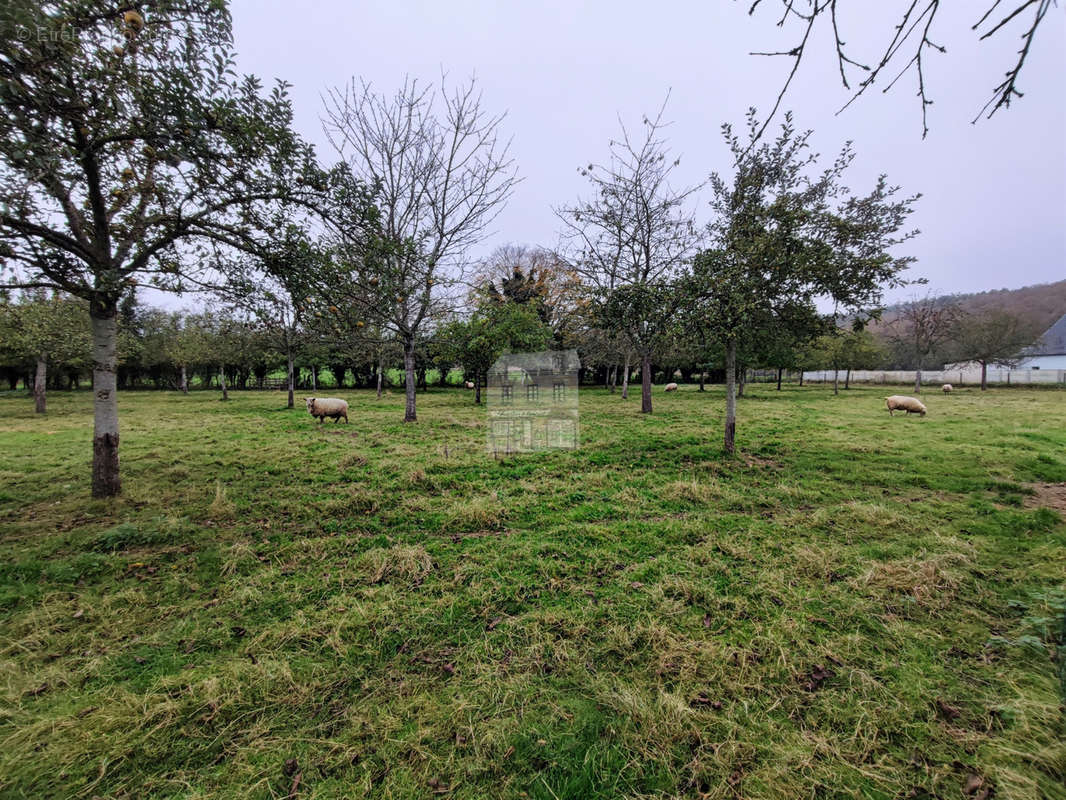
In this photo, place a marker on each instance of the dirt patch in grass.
(1047, 495)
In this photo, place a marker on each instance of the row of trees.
(522, 301)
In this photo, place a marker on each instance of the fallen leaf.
(78, 613)
(946, 710)
(817, 677)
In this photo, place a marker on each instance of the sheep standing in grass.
(323, 407)
(899, 402)
(947, 387)
(670, 387)
(469, 384)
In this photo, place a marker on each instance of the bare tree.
(631, 240)
(994, 337)
(923, 325)
(442, 174)
(911, 38)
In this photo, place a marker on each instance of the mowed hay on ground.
(854, 606)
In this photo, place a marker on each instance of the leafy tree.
(492, 330)
(50, 328)
(183, 349)
(993, 337)
(128, 152)
(783, 238)
(273, 283)
(847, 350)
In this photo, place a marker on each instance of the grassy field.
(853, 606)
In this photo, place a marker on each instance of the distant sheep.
(469, 384)
(670, 387)
(899, 402)
(947, 387)
(323, 407)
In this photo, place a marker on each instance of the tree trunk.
(314, 379)
(918, 381)
(836, 381)
(730, 396)
(847, 379)
(40, 383)
(801, 377)
(477, 388)
(743, 372)
(779, 379)
(381, 376)
(613, 378)
(703, 375)
(106, 481)
(984, 375)
(409, 414)
(184, 380)
(222, 382)
(645, 384)
(291, 374)
(625, 379)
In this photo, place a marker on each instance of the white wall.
(1044, 362)
(956, 377)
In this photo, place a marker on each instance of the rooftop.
(1053, 342)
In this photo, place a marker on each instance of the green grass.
(853, 606)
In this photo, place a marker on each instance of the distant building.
(1050, 351)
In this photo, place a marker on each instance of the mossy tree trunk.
(645, 384)
(40, 384)
(730, 396)
(106, 481)
(409, 414)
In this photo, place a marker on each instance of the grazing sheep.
(947, 387)
(899, 402)
(469, 384)
(323, 407)
(670, 387)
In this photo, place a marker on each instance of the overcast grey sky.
(993, 211)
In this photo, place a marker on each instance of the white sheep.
(323, 407)
(670, 387)
(899, 402)
(469, 384)
(947, 387)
